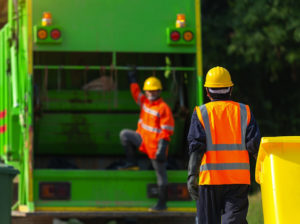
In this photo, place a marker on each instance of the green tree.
(258, 41)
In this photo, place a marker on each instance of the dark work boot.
(131, 161)
(129, 166)
(161, 205)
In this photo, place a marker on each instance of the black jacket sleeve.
(252, 137)
(196, 136)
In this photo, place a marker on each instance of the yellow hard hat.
(152, 83)
(218, 77)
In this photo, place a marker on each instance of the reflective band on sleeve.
(2, 114)
(225, 166)
(167, 127)
(150, 111)
(149, 128)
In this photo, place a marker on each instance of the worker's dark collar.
(155, 102)
(220, 100)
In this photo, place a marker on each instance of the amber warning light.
(47, 19)
(180, 21)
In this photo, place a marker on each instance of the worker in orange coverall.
(152, 137)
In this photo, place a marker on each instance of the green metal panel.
(119, 100)
(89, 101)
(3, 95)
(5, 87)
(114, 25)
(200, 97)
(90, 133)
(82, 133)
(17, 95)
(104, 188)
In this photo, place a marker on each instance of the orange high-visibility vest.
(226, 160)
(156, 121)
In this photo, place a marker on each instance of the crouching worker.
(152, 137)
(222, 135)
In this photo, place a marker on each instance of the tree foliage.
(258, 41)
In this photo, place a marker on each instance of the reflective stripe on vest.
(167, 127)
(225, 166)
(149, 128)
(156, 130)
(225, 147)
(150, 111)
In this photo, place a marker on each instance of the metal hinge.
(8, 70)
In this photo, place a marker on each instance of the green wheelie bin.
(7, 174)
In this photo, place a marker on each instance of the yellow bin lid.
(278, 173)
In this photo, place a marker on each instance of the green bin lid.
(6, 169)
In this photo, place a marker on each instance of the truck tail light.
(188, 36)
(175, 36)
(176, 192)
(42, 34)
(54, 190)
(55, 34)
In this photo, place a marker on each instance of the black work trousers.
(131, 141)
(226, 204)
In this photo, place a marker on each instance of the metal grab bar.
(97, 67)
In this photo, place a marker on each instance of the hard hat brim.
(218, 85)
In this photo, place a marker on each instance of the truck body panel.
(108, 26)
(65, 98)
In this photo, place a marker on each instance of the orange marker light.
(188, 36)
(47, 19)
(42, 34)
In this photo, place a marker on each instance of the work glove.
(161, 153)
(192, 184)
(132, 74)
(193, 173)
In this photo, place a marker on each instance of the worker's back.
(226, 160)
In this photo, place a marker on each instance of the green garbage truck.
(64, 98)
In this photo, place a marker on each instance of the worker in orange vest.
(222, 134)
(152, 137)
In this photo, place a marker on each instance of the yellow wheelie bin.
(278, 173)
